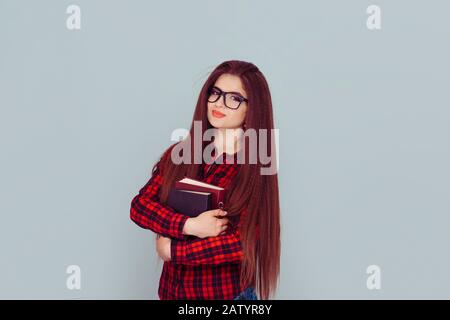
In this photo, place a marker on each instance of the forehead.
(230, 83)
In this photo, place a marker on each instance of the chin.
(213, 121)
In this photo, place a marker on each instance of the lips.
(218, 114)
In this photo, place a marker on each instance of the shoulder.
(163, 159)
(166, 154)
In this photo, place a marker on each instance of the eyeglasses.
(232, 100)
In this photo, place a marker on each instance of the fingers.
(223, 229)
(221, 213)
(221, 221)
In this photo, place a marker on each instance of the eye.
(237, 98)
(214, 91)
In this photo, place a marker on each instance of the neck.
(228, 140)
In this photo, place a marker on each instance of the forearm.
(148, 212)
(212, 250)
(152, 215)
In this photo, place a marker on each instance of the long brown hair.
(249, 189)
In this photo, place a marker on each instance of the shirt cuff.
(177, 225)
(177, 251)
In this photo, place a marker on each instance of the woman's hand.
(207, 224)
(163, 247)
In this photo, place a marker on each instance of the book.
(190, 203)
(217, 193)
(192, 197)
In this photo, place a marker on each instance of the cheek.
(241, 114)
(237, 118)
(208, 109)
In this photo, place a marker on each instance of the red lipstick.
(218, 114)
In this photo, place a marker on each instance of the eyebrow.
(238, 93)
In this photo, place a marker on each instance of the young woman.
(232, 253)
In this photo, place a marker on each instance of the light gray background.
(363, 118)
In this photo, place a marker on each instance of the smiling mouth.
(217, 114)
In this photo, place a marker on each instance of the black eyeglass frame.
(224, 94)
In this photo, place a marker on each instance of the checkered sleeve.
(213, 250)
(224, 248)
(149, 213)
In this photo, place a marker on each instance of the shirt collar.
(227, 158)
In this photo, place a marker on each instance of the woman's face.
(218, 114)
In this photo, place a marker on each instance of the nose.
(220, 103)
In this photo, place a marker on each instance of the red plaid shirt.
(207, 268)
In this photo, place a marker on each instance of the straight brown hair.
(249, 189)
